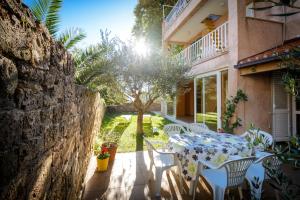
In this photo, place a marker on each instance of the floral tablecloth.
(211, 147)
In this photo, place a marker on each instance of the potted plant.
(102, 159)
(111, 143)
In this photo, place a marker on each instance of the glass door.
(210, 106)
(207, 104)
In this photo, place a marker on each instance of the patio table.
(211, 147)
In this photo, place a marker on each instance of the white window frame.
(294, 114)
(219, 95)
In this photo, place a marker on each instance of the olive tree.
(144, 79)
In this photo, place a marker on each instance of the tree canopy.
(149, 18)
(95, 67)
(143, 79)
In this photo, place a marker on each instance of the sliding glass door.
(211, 92)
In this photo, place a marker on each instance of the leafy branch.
(231, 104)
(290, 77)
(47, 12)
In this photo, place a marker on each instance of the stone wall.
(47, 123)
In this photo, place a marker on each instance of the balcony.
(176, 11)
(213, 44)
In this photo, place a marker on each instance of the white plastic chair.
(229, 175)
(162, 161)
(266, 137)
(257, 170)
(172, 129)
(198, 127)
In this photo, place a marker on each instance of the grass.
(121, 127)
(210, 119)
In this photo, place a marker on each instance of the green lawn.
(122, 127)
(211, 119)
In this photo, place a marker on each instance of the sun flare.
(141, 47)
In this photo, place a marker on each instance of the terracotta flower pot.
(112, 149)
(102, 164)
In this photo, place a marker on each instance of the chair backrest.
(150, 148)
(198, 127)
(172, 129)
(267, 138)
(271, 163)
(244, 134)
(236, 170)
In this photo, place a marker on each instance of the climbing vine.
(231, 104)
(291, 76)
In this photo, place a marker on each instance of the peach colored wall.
(219, 62)
(258, 108)
(180, 108)
(185, 103)
(292, 22)
(189, 98)
(256, 36)
(293, 25)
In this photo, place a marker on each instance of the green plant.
(143, 79)
(103, 154)
(231, 104)
(254, 139)
(295, 144)
(291, 74)
(47, 12)
(112, 137)
(70, 37)
(149, 18)
(286, 188)
(97, 146)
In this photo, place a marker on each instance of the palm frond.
(70, 37)
(52, 18)
(40, 8)
(47, 12)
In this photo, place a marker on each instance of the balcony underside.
(187, 25)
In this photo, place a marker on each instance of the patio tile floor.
(127, 178)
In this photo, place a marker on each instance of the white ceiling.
(193, 26)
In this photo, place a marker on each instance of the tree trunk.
(139, 127)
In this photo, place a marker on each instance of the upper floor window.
(249, 11)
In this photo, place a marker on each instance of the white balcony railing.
(212, 44)
(176, 11)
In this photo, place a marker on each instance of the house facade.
(229, 46)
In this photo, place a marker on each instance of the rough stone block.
(8, 76)
(11, 128)
(29, 96)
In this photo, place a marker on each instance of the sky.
(92, 15)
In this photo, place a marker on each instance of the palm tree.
(96, 60)
(95, 68)
(47, 12)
